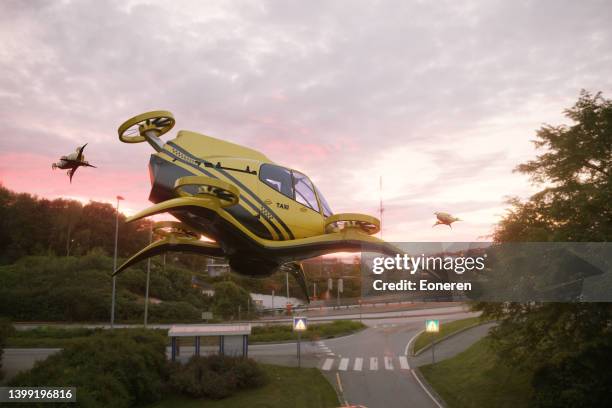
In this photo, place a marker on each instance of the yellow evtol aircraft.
(263, 217)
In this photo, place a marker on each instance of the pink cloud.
(32, 173)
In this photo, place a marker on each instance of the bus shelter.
(233, 338)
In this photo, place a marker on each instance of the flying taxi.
(72, 162)
(261, 216)
(444, 218)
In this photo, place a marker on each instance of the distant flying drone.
(263, 217)
(72, 162)
(444, 219)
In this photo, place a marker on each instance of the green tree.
(228, 298)
(574, 205)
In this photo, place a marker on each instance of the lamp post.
(146, 306)
(115, 264)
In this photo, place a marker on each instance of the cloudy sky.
(439, 98)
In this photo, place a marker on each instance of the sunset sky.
(440, 98)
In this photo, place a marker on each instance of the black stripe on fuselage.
(241, 185)
(235, 212)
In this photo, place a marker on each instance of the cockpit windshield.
(327, 212)
(304, 191)
(294, 185)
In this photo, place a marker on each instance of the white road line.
(327, 365)
(343, 364)
(388, 363)
(358, 364)
(411, 340)
(426, 390)
(373, 363)
(404, 363)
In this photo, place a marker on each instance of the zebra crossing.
(384, 363)
(322, 348)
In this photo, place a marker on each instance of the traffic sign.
(300, 324)
(432, 326)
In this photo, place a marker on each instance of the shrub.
(117, 368)
(216, 376)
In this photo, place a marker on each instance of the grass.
(56, 337)
(424, 339)
(288, 387)
(475, 378)
(273, 333)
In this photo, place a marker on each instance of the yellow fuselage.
(275, 203)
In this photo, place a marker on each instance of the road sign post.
(432, 326)
(300, 324)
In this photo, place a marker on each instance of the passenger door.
(276, 191)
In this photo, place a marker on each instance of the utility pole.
(146, 306)
(287, 280)
(381, 209)
(115, 264)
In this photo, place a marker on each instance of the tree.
(574, 205)
(228, 298)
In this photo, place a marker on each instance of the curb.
(448, 336)
(435, 397)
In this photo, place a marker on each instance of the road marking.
(411, 340)
(341, 389)
(425, 389)
(343, 364)
(404, 363)
(373, 363)
(327, 365)
(388, 363)
(358, 364)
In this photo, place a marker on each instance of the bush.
(6, 329)
(216, 376)
(51, 288)
(119, 368)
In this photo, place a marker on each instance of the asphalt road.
(370, 367)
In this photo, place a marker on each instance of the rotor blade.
(172, 243)
(71, 173)
(80, 155)
(170, 205)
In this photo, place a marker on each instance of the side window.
(279, 178)
(304, 191)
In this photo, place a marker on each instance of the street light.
(115, 264)
(146, 306)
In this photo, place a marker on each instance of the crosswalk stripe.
(358, 364)
(388, 363)
(373, 363)
(404, 363)
(343, 364)
(327, 365)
